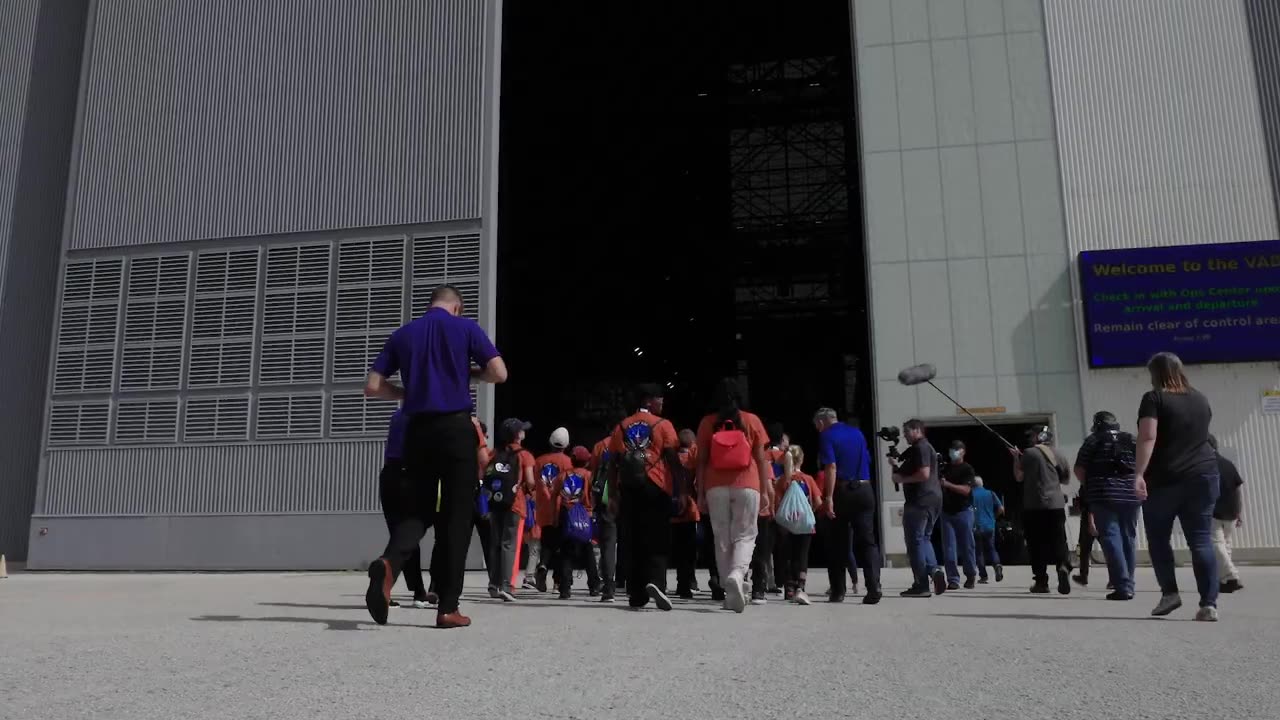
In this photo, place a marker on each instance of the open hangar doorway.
(991, 461)
(679, 202)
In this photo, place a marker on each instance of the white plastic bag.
(795, 514)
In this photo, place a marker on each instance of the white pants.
(733, 520)
(1222, 532)
(535, 557)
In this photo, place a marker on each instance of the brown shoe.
(378, 597)
(455, 619)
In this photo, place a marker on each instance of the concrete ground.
(302, 646)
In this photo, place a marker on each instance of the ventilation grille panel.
(147, 421)
(286, 417)
(79, 423)
(451, 259)
(211, 419)
(87, 327)
(354, 415)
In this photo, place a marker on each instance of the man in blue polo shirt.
(848, 501)
(434, 355)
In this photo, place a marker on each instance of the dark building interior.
(679, 202)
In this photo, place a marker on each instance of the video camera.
(893, 436)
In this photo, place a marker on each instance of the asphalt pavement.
(287, 646)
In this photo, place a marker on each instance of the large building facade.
(215, 213)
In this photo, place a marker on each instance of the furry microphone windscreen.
(917, 374)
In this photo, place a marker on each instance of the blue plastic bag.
(577, 524)
(529, 513)
(795, 514)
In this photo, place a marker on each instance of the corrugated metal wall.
(17, 39)
(246, 118)
(1161, 141)
(215, 480)
(968, 262)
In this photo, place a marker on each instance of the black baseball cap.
(510, 428)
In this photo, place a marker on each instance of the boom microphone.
(925, 373)
(917, 374)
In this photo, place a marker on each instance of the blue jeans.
(957, 536)
(1190, 499)
(917, 530)
(987, 555)
(1117, 525)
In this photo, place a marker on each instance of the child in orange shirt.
(795, 548)
(510, 473)
(573, 487)
(546, 535)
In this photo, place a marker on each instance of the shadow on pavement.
(1031, 616)
(330, 624)
(318, 606)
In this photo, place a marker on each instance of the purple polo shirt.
(395, 435)
(433, 355)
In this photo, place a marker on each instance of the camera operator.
(1043, 470)
(917, 473)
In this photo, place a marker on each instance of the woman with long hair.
(1177, 477)
(734, 485)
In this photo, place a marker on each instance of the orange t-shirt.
(689, 459)
(564, 500)
(815, 493)
(748, 478)
(525, 459)
(597, 454)
(663, 437)
(546, 470)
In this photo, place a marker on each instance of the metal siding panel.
(213, 480)
(17, 42)
(1161, 142)
(242, 118)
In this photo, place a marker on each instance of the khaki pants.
(733, 519)
(1222, 532)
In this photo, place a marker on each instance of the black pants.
(1085, 541)
(855, 513)
(794, 551)
(550, 559)
(779, 578)
(684, 553)
(1046, 533)
(440, 452)
(709, 552)
(394, 495)
(646, 538)
(570, 552)
(607, 525)
(481, 525)
(763, 550)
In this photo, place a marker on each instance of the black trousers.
(569, 553)
(550, 558)
(1046, 533)
(394, 495)
(608, 528)
(709, 552)
(794, 551)
(855, 505)
(684, 553)
(646, 538)
(440, 451)
(763, 551)
(1085, 541)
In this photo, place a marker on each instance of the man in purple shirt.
(434, 355)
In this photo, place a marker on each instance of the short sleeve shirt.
(748, 478)
(663, 438)
(954, 502)
(929, 492)
(433, 354)
(1182, 435)
(1042, 480)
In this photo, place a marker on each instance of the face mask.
(955, 456)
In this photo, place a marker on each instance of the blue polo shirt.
(985, 504)
(844, 446)
(433, 355)
(395, 435)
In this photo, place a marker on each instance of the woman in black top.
(1177, 477)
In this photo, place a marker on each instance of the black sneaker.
(836, 598)
(939, 581)
(1117, 595)
(377, 599)
(1230, 586)
(775, 590)
(717, 594)
(658, 597)
(606, 597)
(969, 583)
(684, 593)
(983, 581)
(594, 591)
(953, 586)
(1064, 582)
(565, 595)
(1081, 580)
(540, 580)
(1040, 588)
(871, 598)
(759, 598)
(917, 591)
(394, 603)
(999, 573)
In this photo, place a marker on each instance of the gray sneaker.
(506, 596)
(1168, 603)
(1207, 614)
(493, 592)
